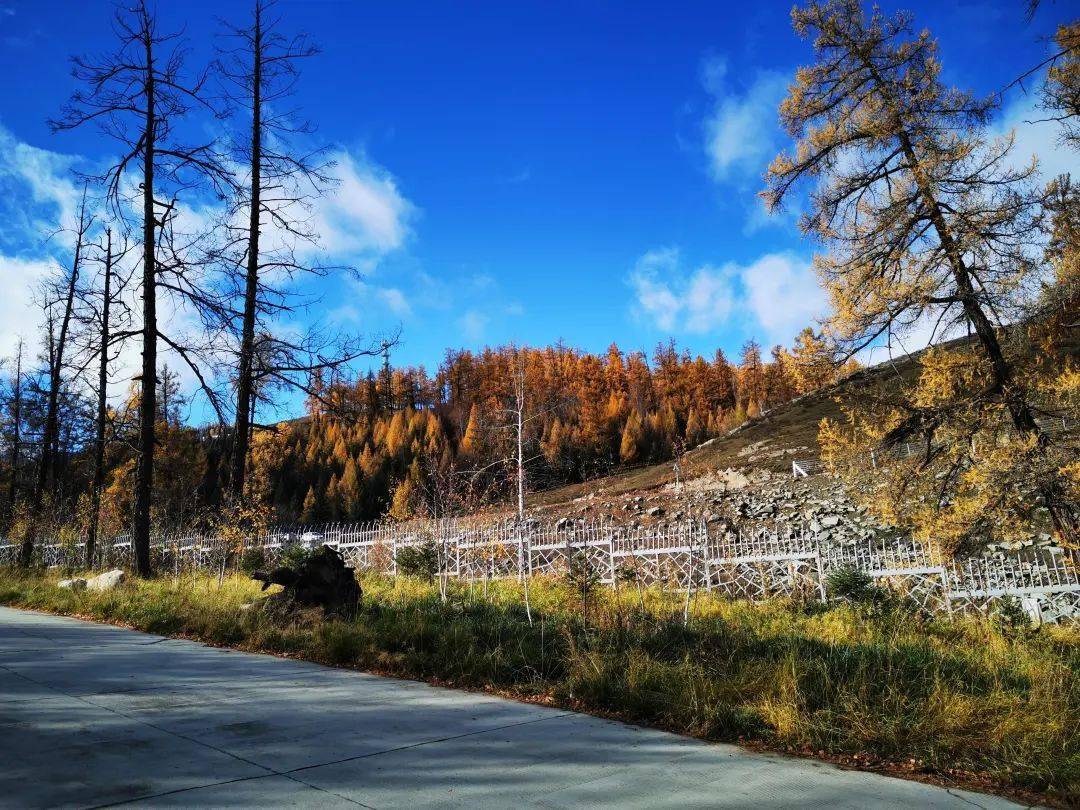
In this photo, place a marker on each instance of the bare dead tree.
(444, 496)
(62, 292)
(15, 418)
(282, 180)
(518, 384)
(103, 351)
(281, 362)
(57, 292)
(102, 404)
(138, 95)
(516, 419)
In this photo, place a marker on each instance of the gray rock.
(76, 584)
(106, 581)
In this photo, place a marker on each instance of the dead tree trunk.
(16, 428)
(139, 95)
(144, 483)
(46, 478)
(244, 403)
(102, 407)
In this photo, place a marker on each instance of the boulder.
(76, 584)
(106, 581)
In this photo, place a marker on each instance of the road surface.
(94, 715)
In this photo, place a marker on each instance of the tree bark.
(245, 382)
(144, 484)
(102, 402)
(1020, 412)
(16, 420)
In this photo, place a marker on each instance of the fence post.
(705, 546)
(946, 588)
(569, 552)
(820, 574)
(528, 553)
(520, 553)
(611, 551)
(689, 574)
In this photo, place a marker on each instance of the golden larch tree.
(927, 224)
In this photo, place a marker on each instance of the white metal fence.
(783, 560)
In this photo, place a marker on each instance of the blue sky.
(519, 171)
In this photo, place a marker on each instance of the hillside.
(743, 480)
(760, 449)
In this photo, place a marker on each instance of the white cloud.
(741, 131)
(759, 217)
(473, 324)
(651, 282)
(697, 303)
(783, 292)
(416, 297)
(20, 318)
(39, 193)
(365, 214)
(517, 178)
(361, 220)
(1035, 136)
(361, 297)
(916, 336)
(773, 297)
(395, 301)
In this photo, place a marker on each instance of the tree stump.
(321, 580)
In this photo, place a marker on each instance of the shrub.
(849, 584)
(420, 560)
(253, 558)
(295, 555)
(583, 577)
(1010, 617)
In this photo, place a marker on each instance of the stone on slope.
(106, 581)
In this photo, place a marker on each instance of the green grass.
(962, 699)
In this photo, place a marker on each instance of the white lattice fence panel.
(926, 587)
(646, 567)
(765, 577)
(359, 554)
(1059, 606)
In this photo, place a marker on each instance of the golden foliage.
(968, 477)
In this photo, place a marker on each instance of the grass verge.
(969, 700)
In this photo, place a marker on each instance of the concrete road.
(93, 715)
